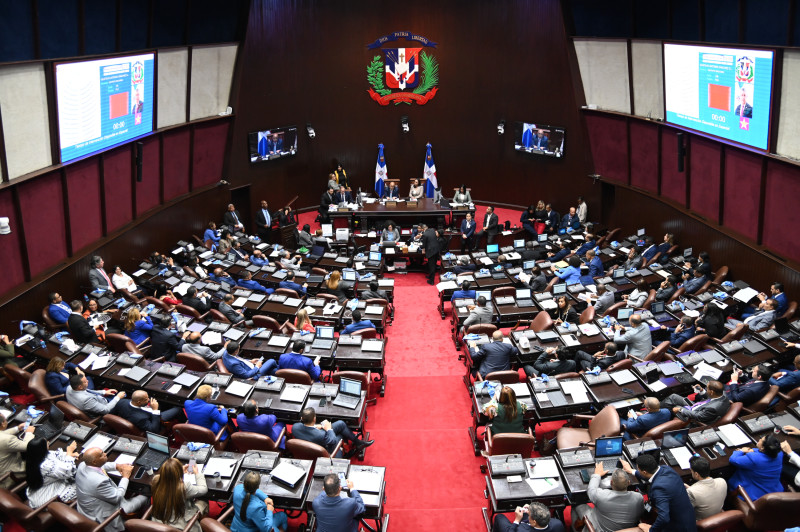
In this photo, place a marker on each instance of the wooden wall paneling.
(643, 158)
(12, 244)
(742, 192)
(781, 214)
(117, 180)
(673, 183)
(609, 144)
(208, 152)
(147, 191)
(703, 165)
(42, 208)
(177, 163)
(84, 202)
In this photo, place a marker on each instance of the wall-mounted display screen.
(103, 103)
(272, 144)
(539, 139)
(726, 92)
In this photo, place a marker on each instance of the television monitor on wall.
(272, 144)
(103, 103)
(539, 139)
(725, 92)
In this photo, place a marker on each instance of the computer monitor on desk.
(493, 248)
(560, 288)
(607, 447)
(519, 244)
(542, 238)
(374, 256)
(485, 293)
(528, 264)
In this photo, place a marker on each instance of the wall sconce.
(5, 228)
(404, 124)
(501, 127)
(310, 131)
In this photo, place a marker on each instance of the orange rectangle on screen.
(719, 97)
(117, 105)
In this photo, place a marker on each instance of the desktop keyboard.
(346, 401)
(152, 459)
(610, 464)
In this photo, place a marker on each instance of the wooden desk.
(373, 501)
(505, 497)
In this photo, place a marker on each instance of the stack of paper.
(211, 338)
(122, 459)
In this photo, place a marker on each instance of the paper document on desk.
(542, 397)
(122, 459)
(506, 233)
(544, 469)
(623, 377)
(123, 372)
(101, 362)
(359, 266)
(513, 255)
(240, 302)
(657, 386)
(238, 388)
(413, 248)
(88, 361)
(223, 466)
(485, 260)
(98, 440)
(745, 294)
(663, 273)
(366, 480)
(385, 282)
(211, 338)
(625, 250)
(521, 389)
(542, 486)
(175, 388)
(389, 250)
(682, 455)
(732, 435)
(548, 304)
(138, 273)
(524, 277)
(589, 329)
(706, 370)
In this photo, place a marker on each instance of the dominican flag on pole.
(429, 172)
(381, 172)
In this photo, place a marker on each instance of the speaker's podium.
(289, 236)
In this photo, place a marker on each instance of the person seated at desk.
(564, 313)
(391, 192)
(342, 196)
(225, 242)
(59, 311)
(143, 412)
(615, 508)
(50, 473)
(464, 265)
(247, 282)
(195, 347)
(211, 234)
(712, 321)
(93, 308)
(165, 342)
(506, 413)
(538, 280)
(466, 292)
(702, 263)
(707, 409)
(552, 361)
(334, 285)
(684, 331)
(667, 288)
(752, 389)
(303, 322)
(609, 355)
(245, 369)
(533, 516)
(79, 327)
(253, 510)
(296, 360)
(565, 248)
(98, 277)
(479, 313)
(776, 293)
(258, 258)
(202, 413)
(763, 317)
(237, 250)
(390, 234)
(636, 338)
(58, 373)
(603, 299)
(233, 219)
(416, 192)
(225, 306)
(175, 496)
(695, 283)
(528, 220)
(588, 244)
(374, 292)
(335, 512)
(595, 268)
(462, 195)
(533, 252)
(639, 295)
(493, 356)
(218, 275)
(90, 402)
(357, 324)
(288, 262)
(633, 261)
(11, 448)
(99, 496)
(200, 301)
(251, 420)
(304, 238)
(638, 423)
(570, 222)
(138, 326)
(758, 470)
(288, 282)
(572, 273)
(123, 281)
(787, 380)
(707, 494)
(327, 434)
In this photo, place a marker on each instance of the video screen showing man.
(744, 109)
(275, 144)
(138, 105)
(540, 140)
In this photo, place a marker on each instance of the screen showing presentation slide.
(103, 103)
(539, 139)
(725, 92)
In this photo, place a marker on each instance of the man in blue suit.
(566, 249)
(595, 268)
(586, 246)
(466, 292)
(391, 191)
(540, 141)
(245, 369)
(296, 360)
(275, 144)
(59, 311)
(200, 412)
(343, 196)
(357, 324)
(288, 282)
(144, 413)
(695, 283)
(335, 512)
(326, 434)
(570, 221)
(637, 424)
(667, 494)
(248, 282)
(752, 389)
(685, 330)
(552, 219)
(250, 420)
(787, 380)
(776, 293)
(494, 356)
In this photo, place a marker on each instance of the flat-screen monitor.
(324, 332)
(560, 288)
(726, 92)
(528, 264)
(687, 253)
(272, 144)
(675, 438)
(605, 447)
(624, 313)
(493, 248)
(103, 103)
(523, 293)
(485, 293)
(349, 275)
(640, 232)
(539, 139)
(375, 256)
(541, 238)
(519, 244)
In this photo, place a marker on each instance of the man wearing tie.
(264, 222)
(233, 219)
(98, 277)
(489, 227)
(540, 141)
(343, 196)
(275, 145)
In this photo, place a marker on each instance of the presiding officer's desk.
(505, 496)
(425, 210)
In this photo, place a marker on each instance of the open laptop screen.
(687, 253)
(493, 248)
(542, 237)
(350, 275)
(674, 438)
(560, 288)
(157, 442)
(375, 256)
(485, 293)
(657, 307)
(619, 273)
(528, 264)
(523, 293)
(325, 333)
(350, 386)
(624, 313)
(519, 243)
(608, 447)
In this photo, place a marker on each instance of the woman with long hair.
(639, 295)
(92, 308)
(564, 313)
(506, 413)
(332, 285)
(712, 321)
(50, 473)
(303, 322)
(138, 326)
(174, 499)
(57, 375)
(253, 514)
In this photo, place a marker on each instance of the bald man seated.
(98, 496)
(638, 423)
(144, 413)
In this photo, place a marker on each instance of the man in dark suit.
(391, 191)
(494, 356)
(553, 219)
(264, 222)
(335, 512)
(275, 145)
(571, 221)
(540, 141)
(490, 228)
(603, 359)
(534, 516)
(326, 434)
(636, 425)
(431, 245)
(552, 361)
(324, 203)
(165, 342)
(288, 282)
(752, 389)
(667, 493)
(79, 328)
(343, 196)
(143, 412)
(374, 292)
(684, 331)
(708, 409)
(198, 301)
(533, 252)
(744, 109)
(246, 369)
(233, 219)
(98, 277)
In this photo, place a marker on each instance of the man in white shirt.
(582, 210)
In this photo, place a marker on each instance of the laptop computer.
(349, 393)
(316, 252)
(528, 265)
(618, 276)
(608, 451)
(523, 297)
(623, 315)
(657, 309)
(485, 293)
(157, 452)
(784, 330)
(519, 244)
(673, 439)
(374, 259)
(349, 275)
(137, 373)
(541, 238)
(52, 424)
(559, 289)
(493, 249)
(324, 338)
